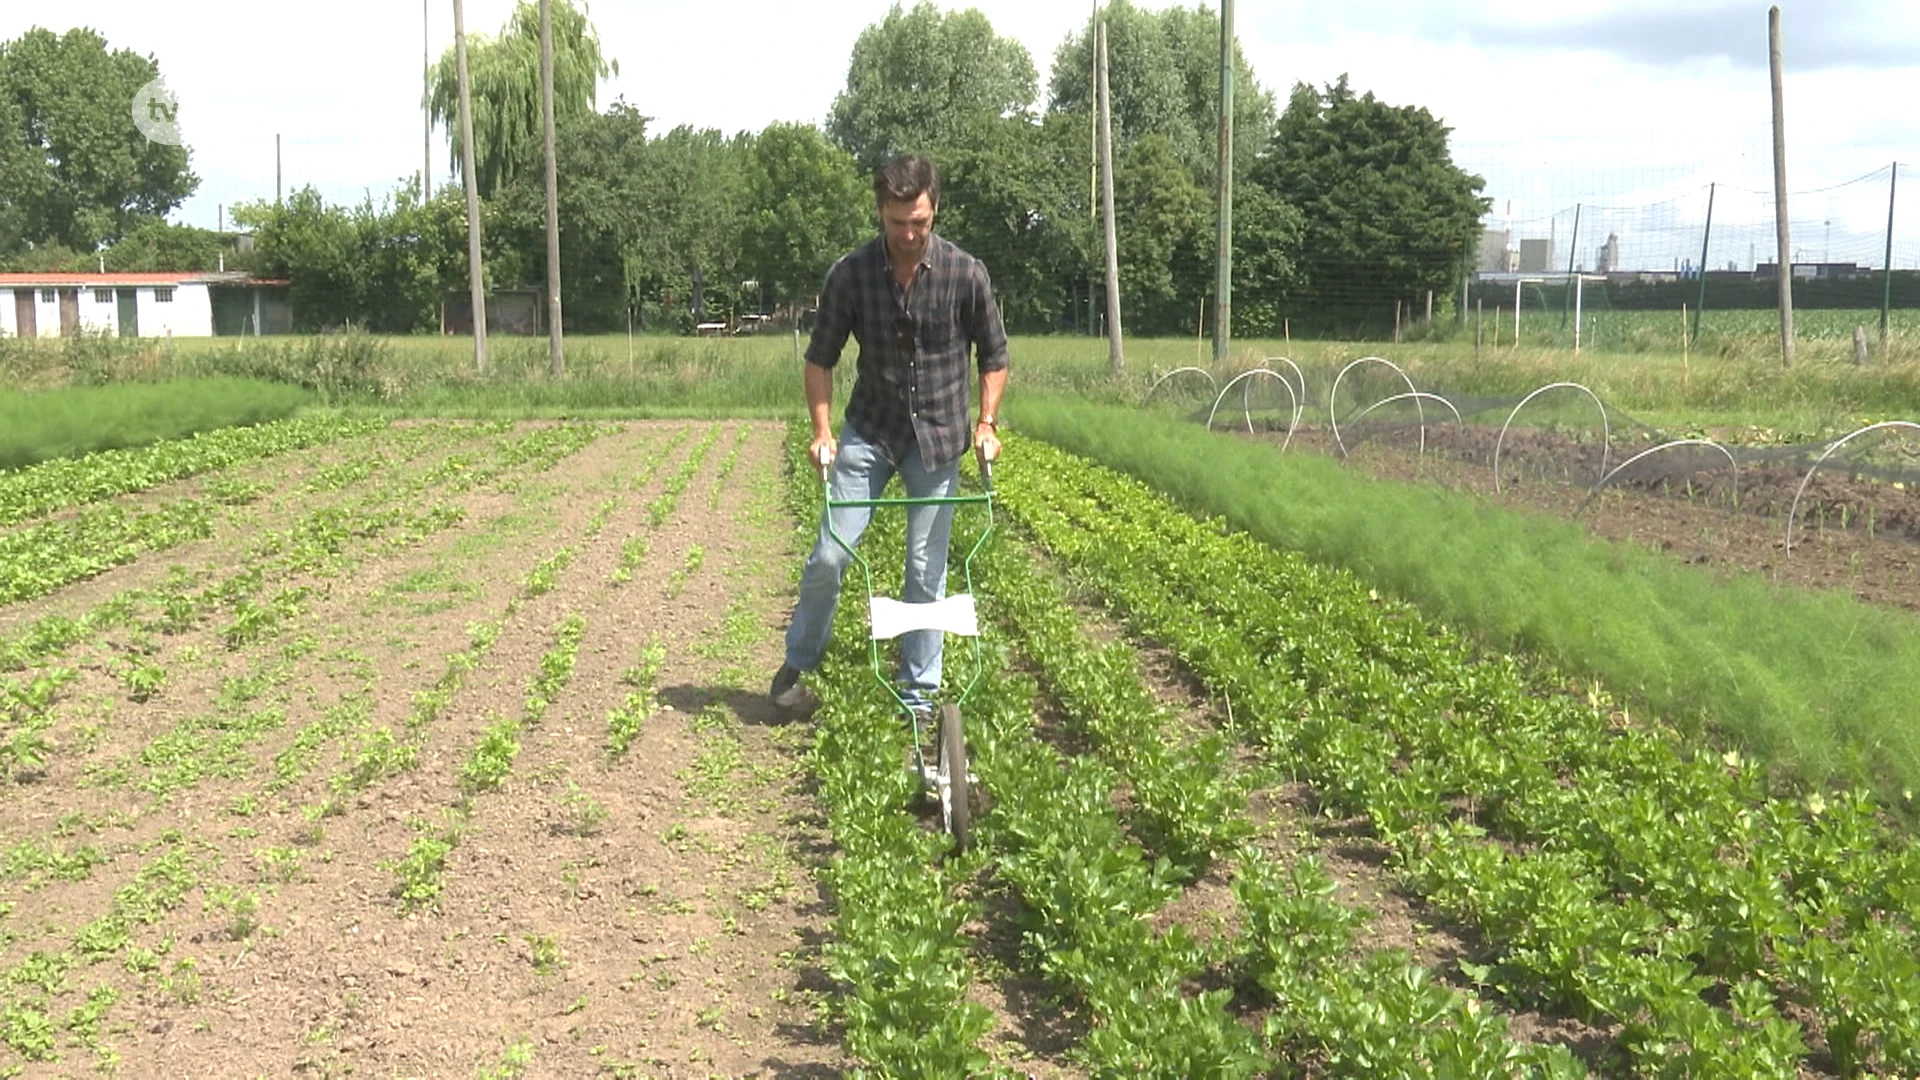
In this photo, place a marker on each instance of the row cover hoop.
(1794, 512)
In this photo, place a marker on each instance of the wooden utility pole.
(476, 289)
(556, 354)
(1093, 133)
(1223, 272)
(1115, 354)
(426, 104)
(1093, 143)
(1780, 187)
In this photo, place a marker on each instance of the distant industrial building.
(1609, 259)
(1496, 252)
(1536, 256)
(1767, 271)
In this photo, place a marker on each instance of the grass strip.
(43, 425)
(1818, 684)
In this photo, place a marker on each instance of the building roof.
(162, 277)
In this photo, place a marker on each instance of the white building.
(163, 304)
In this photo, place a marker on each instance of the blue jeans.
(861, 471)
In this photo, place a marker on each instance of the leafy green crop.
(1615, 873)
(66, 482)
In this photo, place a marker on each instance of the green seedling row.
(662, 505)
(1361, 1014)
(897, 946)
(317, 541)
(324, 541)
(727, 465)
(625, 722)
(1618, 876)
(66, 482)
(48, 557)
(1180, 809)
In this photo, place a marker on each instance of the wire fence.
(1658, 258)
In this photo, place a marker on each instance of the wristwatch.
(988, 420)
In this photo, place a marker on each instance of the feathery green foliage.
(48, 424)
(1817, 682)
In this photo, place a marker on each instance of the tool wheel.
(956, 810)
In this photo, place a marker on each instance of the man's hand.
(986, 442)
(822, 452)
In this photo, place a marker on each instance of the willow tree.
(505, 76)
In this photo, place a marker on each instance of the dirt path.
(646, 913)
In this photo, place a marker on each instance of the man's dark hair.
(904, 179)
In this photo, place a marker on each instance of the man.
(915, 303)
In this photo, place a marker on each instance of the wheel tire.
(957, 808)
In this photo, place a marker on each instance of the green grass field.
(1821, 332)
(39, 426)
(1734, 383)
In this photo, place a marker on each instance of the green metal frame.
(984, 499)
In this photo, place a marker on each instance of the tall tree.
(1165, 238)
(605, 208)
(806, 205)
(1163, 72)
(73, 168)
(384, 266)
(17, 169)
(505, 76)
(1386, 215)
(660, 216)
(1266, 260)
(696, 179)
(1014, 195)
(920, 79)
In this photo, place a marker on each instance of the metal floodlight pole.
(1116, 354)
(1705, 239)
(1886, 296)
(476, 291)
(1573, 253)
(1579, 289)
(1775, 64)
(1223, 280)
(556, 353)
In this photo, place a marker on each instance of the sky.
(1627, 109)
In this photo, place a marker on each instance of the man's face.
(907, 225)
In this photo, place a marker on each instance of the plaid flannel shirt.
(912, 375)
